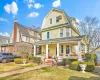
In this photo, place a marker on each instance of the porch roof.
(74, 38)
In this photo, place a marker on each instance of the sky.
(32, 12)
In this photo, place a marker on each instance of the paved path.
(21, 71)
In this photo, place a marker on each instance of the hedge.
(91, 57)
(68, 61)
(20, 60)
(90, 66)
(37, 60)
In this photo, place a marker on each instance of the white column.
(57, 49)
(85, 48)
(79, 47)
(34, 50)
(46, 50)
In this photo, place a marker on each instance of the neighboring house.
(60, 35)
(3, 40)
(97, 52)
(21, 35)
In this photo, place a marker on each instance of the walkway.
(21, 71)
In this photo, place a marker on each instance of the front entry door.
(67, 49)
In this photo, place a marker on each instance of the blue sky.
(32, 12)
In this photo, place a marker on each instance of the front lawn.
(12, 66)
(52, 73)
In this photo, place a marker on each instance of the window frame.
(57, 19)
(67, 32)
(48, 35)
(61, 32)
(50, 20)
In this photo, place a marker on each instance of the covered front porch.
(61, 47)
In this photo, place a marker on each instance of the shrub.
(37, 60)
(90, 66)
(91, 57)
(75, 65)
(68, 61)
(30, 57)
(20, 60)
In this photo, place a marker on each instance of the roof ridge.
(29, 28)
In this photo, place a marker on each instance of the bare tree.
(90, 28)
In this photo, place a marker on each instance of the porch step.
(48, 61)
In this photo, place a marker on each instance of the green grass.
(12, 66)
(52, 73)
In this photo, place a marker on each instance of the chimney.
(15, 20)
(15, 30)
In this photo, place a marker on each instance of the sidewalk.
(21, 71)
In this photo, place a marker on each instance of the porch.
(62, 47)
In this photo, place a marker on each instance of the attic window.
(58, 18)
(51, 21)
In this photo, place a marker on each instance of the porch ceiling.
(60, 40)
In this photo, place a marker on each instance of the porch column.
(57, 49)
(34, 50)
(85, 48)
(79, 47)
(46, 50)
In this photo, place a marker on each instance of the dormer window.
(58, 18)
(51, 21)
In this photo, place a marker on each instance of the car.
(7, 57)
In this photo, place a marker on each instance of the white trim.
(57, 49)
(34, 50)
(46, 50)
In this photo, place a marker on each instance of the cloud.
(33, 14)
(38, 5)
(56, 3)
(4, 34)
(30, 5)
(29, 1)
(11, 8)
(3, 19)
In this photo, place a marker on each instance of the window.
(67, 49)
(61, 48)
(27, 39)
(51, 21)
(61, 32)
(67, 32)
(58, 18)
(47, 35)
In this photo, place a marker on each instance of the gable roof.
(25, 31)
(68, 18)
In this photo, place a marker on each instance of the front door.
(67, 49)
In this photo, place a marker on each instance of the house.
(21, 35)
(97, 52)
(60, 35)
(3, 40)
